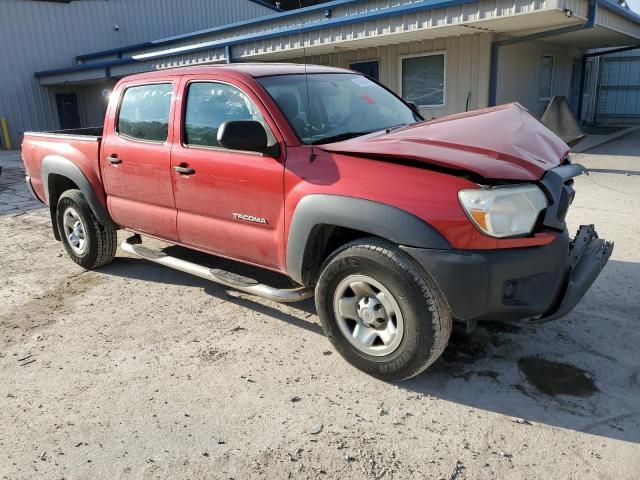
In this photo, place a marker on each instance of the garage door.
(618, 93)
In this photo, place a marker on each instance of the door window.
(144, 112)
(209, 105)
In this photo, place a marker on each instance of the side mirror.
(413, 106)
(248, 135)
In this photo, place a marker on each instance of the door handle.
(182, 170)
(114, 160)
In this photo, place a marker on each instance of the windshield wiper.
(396, 127)
(342, 136)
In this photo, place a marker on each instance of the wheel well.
(58, 184)
(323, 241)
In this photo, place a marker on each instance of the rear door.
(136, 163)
(229, 202)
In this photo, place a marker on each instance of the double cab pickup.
(400, 227)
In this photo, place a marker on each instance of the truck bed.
(89, 133)
(79, 148)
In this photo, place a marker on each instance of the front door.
(229, 202)
(68, 112)
(136, 163)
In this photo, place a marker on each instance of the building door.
(68, 112)
(370, 69)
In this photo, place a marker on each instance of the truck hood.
(504, 142)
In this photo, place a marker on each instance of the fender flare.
(379, 219)
(55, 165)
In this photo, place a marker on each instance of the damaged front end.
(588, 254)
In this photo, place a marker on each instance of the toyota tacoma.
(400, 227)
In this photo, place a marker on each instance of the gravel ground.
(137, 371)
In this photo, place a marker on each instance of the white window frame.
(444, 76)
(553, 71)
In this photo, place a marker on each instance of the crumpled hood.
(504, 142)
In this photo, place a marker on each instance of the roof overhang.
(373, 23)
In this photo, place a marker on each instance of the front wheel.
(86, 241)
(383, 314)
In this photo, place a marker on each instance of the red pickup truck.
(399, 226)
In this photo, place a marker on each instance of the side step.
(228, 279)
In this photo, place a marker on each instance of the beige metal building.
(447, 56)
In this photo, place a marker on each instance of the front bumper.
(537, 283)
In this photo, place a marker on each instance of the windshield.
(338, 105)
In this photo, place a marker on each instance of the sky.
(635, 5)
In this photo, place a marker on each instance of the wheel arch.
(323, 220)
(59, 175)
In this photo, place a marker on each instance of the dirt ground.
(137, 371)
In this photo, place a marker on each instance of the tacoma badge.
(249, 218)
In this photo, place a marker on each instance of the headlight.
(504, 211)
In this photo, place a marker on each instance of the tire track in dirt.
(44, 309)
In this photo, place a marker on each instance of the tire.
(422, 325)
(86, 241)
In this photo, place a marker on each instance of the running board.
(228, 279)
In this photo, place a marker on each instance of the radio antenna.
(312, 155)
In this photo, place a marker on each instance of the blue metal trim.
(228, 55)
(295, 30)
(199, 33)
(495, 46)
(613, 50)
(82, 68)
(615, 8)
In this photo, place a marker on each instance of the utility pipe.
(5, 133)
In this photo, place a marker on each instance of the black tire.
(100, 241)
(426, 318)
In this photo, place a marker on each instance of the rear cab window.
(144, 112)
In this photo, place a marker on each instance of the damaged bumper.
(588, 255)
(534, 283)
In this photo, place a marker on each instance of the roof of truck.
(249, 69)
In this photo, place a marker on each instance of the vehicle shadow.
(144, 270)
(579, 373)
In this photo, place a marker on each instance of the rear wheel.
(381, 311)
(86, 241)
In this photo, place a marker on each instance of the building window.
(370, 68)
(422, 79)
(209, 105)
(546, 78)
(144, 112)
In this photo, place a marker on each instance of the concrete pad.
(592, 141)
